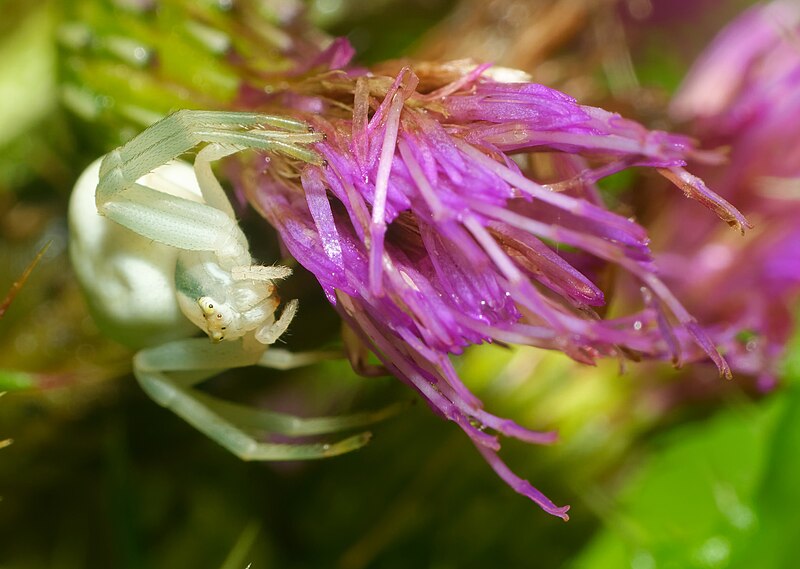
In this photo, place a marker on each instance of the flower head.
(428, 231)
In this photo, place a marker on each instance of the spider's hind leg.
(169, 372)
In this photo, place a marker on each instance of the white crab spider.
(166, 252)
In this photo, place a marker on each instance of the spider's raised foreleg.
(185, 223)
(182, 131)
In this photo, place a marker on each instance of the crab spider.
(158, 251)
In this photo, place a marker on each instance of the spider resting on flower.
(157, 249)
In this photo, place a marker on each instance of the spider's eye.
(206, 305)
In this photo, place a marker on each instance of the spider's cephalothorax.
(228, 304)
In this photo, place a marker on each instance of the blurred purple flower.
(428, 236)
(744, 92)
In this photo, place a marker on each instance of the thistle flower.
(744, 92)
(428, 236)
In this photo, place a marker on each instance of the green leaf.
(775, 544)
(706, 498)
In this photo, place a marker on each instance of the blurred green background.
(99, 476)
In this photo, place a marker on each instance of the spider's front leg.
(184, 223)
(168, 373)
